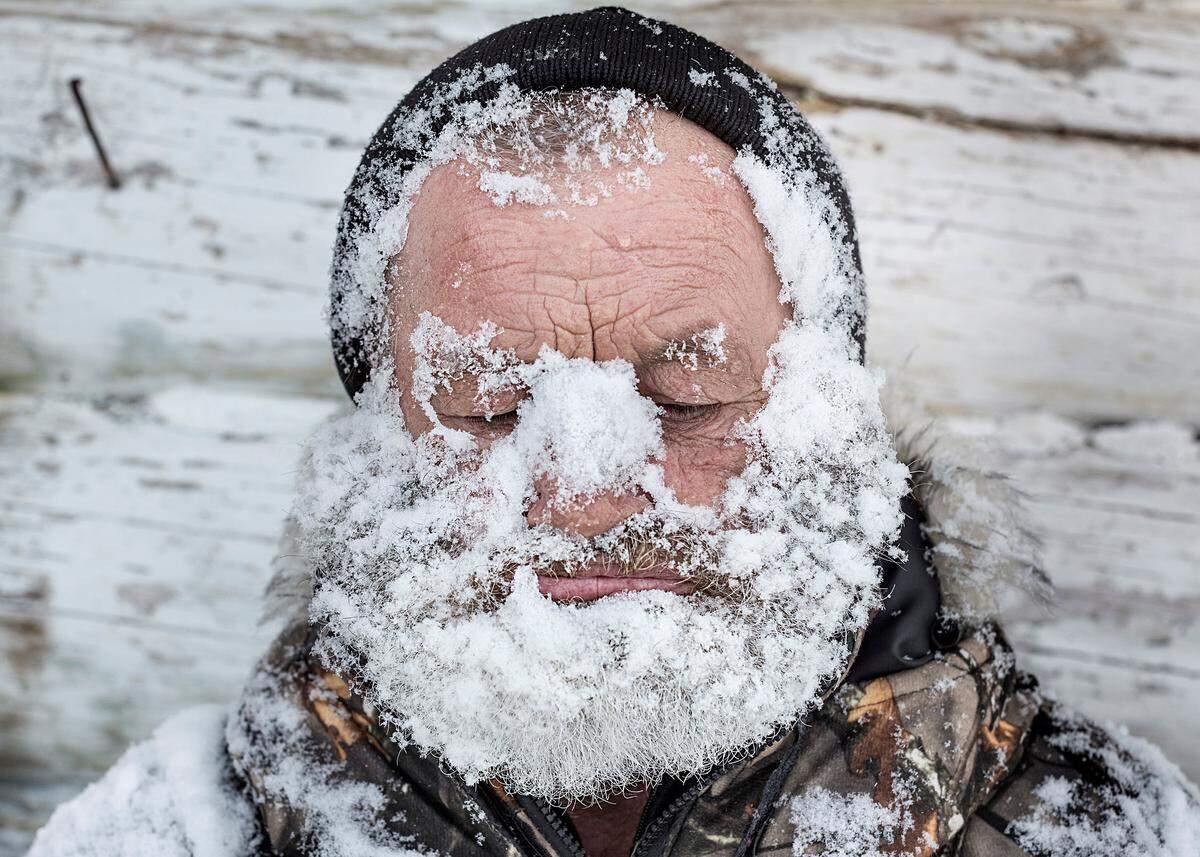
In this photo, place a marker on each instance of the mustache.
(645, 549)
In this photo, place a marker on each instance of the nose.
(586, 517)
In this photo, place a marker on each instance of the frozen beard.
(426, 566)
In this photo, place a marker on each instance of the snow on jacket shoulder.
(1083, 789)
(172, 795)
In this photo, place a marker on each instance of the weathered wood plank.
(1024, 66)
(79, 689)
(1002, 267)
(1013, 273)
(1118, 509)
(1102, 67)
(136, 535)
(83, 318)
(166, 507)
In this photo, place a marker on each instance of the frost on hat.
(609, 48)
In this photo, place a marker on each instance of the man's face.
(605, 511)
(641, 276)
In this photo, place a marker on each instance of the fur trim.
(290, 589)
(975, 521)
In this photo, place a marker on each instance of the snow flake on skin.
(464, 269)
(504, 187)
(716, 174)
(707, 344)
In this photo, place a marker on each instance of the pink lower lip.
(593, 588)
(596, 581)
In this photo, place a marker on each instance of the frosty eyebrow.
(701, 346)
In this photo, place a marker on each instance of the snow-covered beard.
(426, 567)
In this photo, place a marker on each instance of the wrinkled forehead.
(609, 262)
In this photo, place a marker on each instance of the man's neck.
(608, 829)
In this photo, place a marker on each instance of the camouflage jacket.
(960, 756)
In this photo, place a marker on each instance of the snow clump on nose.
(584, 448)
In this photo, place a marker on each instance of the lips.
(598, 579)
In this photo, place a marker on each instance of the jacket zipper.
(649, 832)
(770, 793)
(666, 818)
(570, 843)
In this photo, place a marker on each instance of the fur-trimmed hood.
(982, 545)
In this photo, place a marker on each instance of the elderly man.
(614, 553)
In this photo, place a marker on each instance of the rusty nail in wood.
(113, 181)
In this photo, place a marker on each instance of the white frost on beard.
(426, 566)
(426, 572)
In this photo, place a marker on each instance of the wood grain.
(1118, 511)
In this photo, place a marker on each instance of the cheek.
(414, 416)
(697, 469)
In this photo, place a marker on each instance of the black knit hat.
(610, 48)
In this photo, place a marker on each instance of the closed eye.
(683, 413)
(504, 419)
(482, 423)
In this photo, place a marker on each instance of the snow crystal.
(166, 797)
(651, 26)
(342, 815)
(464, 268)
(836, 825)
(708, 343)
(504, 187)
(1150, 809)
(702, 78)
(739, 79)
(711, 171)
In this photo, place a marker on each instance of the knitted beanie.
(609, 48)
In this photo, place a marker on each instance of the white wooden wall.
(1027, 181)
